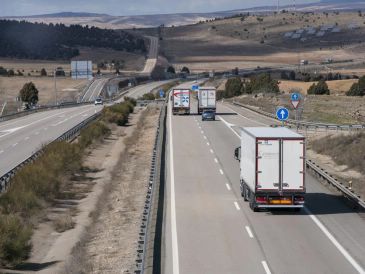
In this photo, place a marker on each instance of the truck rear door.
(182, 98)
(293, 164)
(204, 98)
(211, 98)
(268, 169)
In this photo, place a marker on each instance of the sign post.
(295, 101)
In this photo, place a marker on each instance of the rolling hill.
(145, 21)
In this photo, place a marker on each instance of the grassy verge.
(346, 150)
(36, 185)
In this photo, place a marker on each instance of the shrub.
(131, 100)
(43, 72)
(357, 89)
(233, 87)
(29, 93)
(148, 96)
(95, 131)
(262, 83)
(321, 88)
(14, 240)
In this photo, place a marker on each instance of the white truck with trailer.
(180, 101)
(206, 99)
(272, 167)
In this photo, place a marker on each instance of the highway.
(208, 228)
(94, 90)
(152, 57)
(20, 138)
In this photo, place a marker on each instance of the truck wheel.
(245, 193)
(252, 203)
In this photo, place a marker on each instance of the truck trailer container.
(180, 101)
(206, 99)
(272, 167)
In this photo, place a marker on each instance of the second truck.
(206, 99)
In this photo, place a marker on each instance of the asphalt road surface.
(94, 90)
(20, 138)
(208, 228)
(152, 57)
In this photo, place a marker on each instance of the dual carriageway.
(208, 228)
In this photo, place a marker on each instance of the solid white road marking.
(319, 224)
(266, 267)
(14, 145)
(239, 114)
(208, 144)
(212, 151)
(1, 151)
(229, 126)
(237, 206)
(175, 251)
(205, 137)
(249, 232)
(221, 171)
(228, 187)
(216, 160)
(335, 242)
(202, 132)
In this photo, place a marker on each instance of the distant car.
(208, 115)
(98, 101)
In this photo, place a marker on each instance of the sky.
(128, 7)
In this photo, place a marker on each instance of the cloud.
(129, 7)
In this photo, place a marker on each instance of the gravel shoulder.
(66, 222)
(109, 245)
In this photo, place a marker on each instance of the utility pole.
(277, 7)
(55, 86)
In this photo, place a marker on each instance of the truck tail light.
(261, 199)
(299, 200)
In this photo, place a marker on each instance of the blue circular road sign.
(295, 97)
(282, 114)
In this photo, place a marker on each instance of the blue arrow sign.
(195, 87)
(282, 114)
(295, 97)
(162, 93)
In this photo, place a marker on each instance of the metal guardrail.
(67, 136)
(349, 193)
(306, 125)
(148, 223)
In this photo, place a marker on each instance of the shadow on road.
(34, 266)
(217, 113)
(322, 204)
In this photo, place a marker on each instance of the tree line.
(57, 41)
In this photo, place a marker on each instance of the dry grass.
(63, 223)
(347, 151)
(67, 89)
(336, 87)
(110, 242)
(325, 109)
